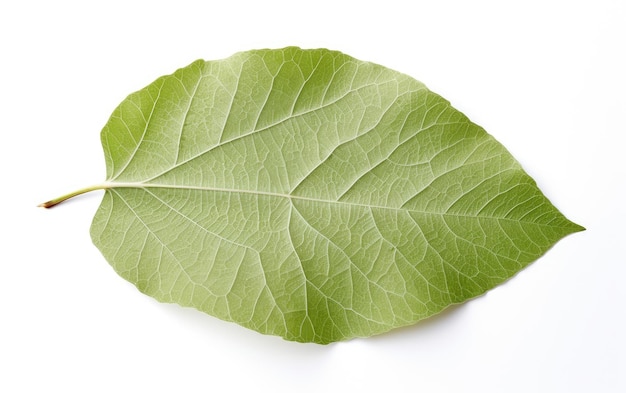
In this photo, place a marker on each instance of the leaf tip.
(574, 228)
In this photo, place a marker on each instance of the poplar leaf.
(311, 195)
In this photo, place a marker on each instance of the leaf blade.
(306, 194)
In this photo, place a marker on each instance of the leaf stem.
(56, 201)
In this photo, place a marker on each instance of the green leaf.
(310, 195)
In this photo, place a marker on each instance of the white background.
(546, 78)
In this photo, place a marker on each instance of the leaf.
(310, 195)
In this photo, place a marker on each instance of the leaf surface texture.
(310, 195)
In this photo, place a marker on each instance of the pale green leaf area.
(313, 196)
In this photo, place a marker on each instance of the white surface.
(546, 78)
